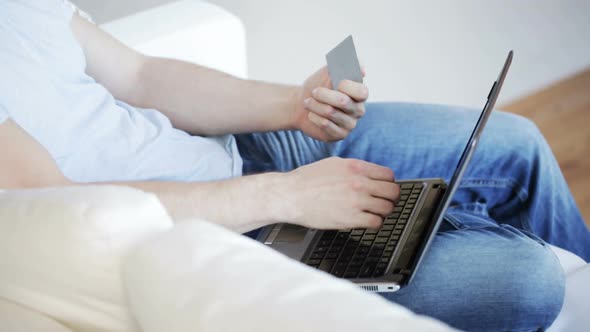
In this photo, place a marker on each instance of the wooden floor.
(562, 113)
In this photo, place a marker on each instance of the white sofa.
(203, 33)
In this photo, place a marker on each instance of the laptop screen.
(474, 139)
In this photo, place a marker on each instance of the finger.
(331, 113)
(384, 189)
(373, 171)
(355, 90)
(336, 99)
(370, 220)
(363, 71)
(327, 126)
(378, 206)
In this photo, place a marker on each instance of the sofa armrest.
(193, 31)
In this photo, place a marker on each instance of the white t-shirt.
(91, 136)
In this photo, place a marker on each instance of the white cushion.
(574, 315)
(576, 309)
(15, 318)
(568, 260)
(61, 250)
(193, 31)
(201, 277)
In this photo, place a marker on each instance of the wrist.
(278, 197)
(295, 100)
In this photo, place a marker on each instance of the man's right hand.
(338, 193)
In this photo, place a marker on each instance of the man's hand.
(337, 193)
(326, 114)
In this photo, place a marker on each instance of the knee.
(488, 279)
(528, 292)
(521, 143)
(515, 130)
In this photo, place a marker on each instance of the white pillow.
(15, 318)
(61, 250)
(201, 277)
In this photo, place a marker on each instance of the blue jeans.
(489, 267)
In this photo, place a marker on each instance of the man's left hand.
(326, 114)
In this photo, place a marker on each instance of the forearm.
(204, 101)
(240, 204)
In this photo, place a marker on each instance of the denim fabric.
(489, 267)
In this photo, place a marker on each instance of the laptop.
(386, 259)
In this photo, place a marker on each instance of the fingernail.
(315, 91)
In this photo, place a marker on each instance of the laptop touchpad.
(291, 234)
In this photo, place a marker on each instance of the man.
(76, 107)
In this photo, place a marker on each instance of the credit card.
(343, 63)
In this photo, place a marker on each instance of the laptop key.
(379, 246)
(336, 247)
(362, 250)
(385, 233)
(338, 272)
(380, 270)
(320, 249)
(313, 261)
(357, 261)
(332, 254)
(367, 270)
(357, 232)
(342, 235)
(326, 265)
(317, 256)
(375, 253)
(328, 235)
(347, 255)
(339, 243)
(350, 274)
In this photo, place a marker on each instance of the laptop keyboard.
(365, 253)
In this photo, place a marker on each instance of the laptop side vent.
(370, 288)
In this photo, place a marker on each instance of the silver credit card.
(343, 63)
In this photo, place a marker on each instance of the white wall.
(429, 51)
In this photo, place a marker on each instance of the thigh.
(279, 151)
(415, 140)
(486, 277)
